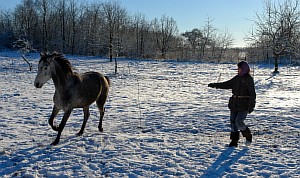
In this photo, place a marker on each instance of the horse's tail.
(108, 80)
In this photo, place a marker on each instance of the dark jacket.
(243, 92)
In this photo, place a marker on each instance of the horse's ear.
(44, 53)
(55, 53)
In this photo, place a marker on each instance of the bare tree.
(194, 37)
(278, 26)
(164, 29)
(5, 21)
(114, 15)
(25, 19)
(73, 18)
(65, 18)
(224, 41)
(208, 36)
(44, 8)
(6, 28)
(140, 31)
(93, 36)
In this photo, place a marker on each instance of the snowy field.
(161, 121)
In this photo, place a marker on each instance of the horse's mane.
(64, 63)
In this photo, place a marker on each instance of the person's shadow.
(222, 165)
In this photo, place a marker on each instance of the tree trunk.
(276, 63)
(116, 66)
(163, 53)
(110, 46)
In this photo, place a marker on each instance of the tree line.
(107, 29)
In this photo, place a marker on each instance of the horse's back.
(94, 76)
(94, 81)
(89, 87)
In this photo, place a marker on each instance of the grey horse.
(72, 90)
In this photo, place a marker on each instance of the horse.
(72, 90)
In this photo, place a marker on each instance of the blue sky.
(235, 15)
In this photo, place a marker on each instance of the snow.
(161, 121)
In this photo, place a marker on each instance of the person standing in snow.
(241, 103)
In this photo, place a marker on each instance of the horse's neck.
(59, 79)
(59, 83)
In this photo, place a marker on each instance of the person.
(241, 103)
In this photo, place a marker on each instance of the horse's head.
(44, 72)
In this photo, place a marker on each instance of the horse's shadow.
(16, 163)
(222, 165)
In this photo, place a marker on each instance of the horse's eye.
(45, 68)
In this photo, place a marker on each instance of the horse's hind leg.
(86, 114)
(100, 103)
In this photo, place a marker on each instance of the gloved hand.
(212, 85)
(250, 110)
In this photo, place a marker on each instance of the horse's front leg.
(61, 126)
(55, 111)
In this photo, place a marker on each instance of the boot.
(234, 136)
(247, 133)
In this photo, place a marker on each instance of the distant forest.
(108, 29)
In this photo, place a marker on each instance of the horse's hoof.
(55, 128)
(54, 143)
(100, 129)
(79, 134)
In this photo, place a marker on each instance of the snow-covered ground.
(161, 121)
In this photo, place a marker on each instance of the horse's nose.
(37, 85)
